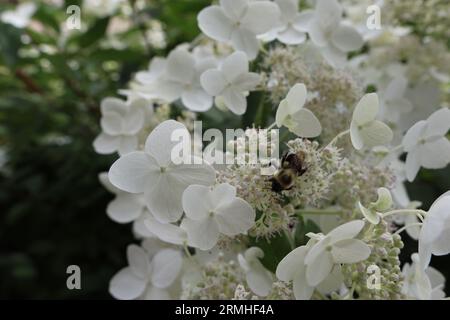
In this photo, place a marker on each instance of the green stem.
(419, 213)
(335, 139)
(407, 226)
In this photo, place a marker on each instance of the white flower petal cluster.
(21, 16)
(334, 38)
(231, 82)
(394, 103)
(434, 237)
(148, 276)
(365, 130)
(239, 22)
(292, 114)
(153, 173)
(258, 278)
(422, 284)
(426, 143)
(121, 122)
(292, 25)
(314, 264)
(211, 211)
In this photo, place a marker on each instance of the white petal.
(106, 144)
(302, 290)
(114, 105)
(133, 121)
(259, 281)
(413, 135)
(375, 134)
(303, 20)
(367, 109)
(282, 113)
(131, 172)
(436, 154)
(222, 194)
(180, 66)
(165, 90)
(234, 9)
(347, 230)
(125, 285)
(166, 232)
(260, 16)
(412, 166)
(355, 136)
(334, 56)
(396, 88)
(350, 251)
(245, 41)
(328, 12)
(291, 36)
(317, 34)
(288, 267)
(214, 23)
(333, 282)
(104, 180)
(213, 81)
(438, 123)
(154, 293)
(166, 266)
(347, 38)
(296, 97)
(111, 123)
(159, 143)
(202, 234)
(235, 217)
(196, 99)
(306, 124)
(319, 268)
(128, 144)
(138, 260)
(234, 66)
(124, 208)
(235, 101)
(371, 216)
(247, 81)
(197, 203)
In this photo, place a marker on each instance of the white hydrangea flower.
(121, 122)
(331, 35)
(292, 114)
(21, 16)
(153, 173)
(292, 26)
(422, 284)
(394, 104)
(338, 246)
(180, 79)
(293, 268)
(427, 144)
(126, 207)
(211, 211)
(101, 8)
(148, 276)
(147, 80)
(167, 232)
(434, 237)
(258, 278)
(238, 22)
(365, 130)
(231, 82)
(383, 204)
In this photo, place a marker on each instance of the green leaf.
(302, 229)
(9, 43)
(94, 33)
(274, 249)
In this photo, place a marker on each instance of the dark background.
(52, 207)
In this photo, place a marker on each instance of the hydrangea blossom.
(148, 276)
(121, 122)
(231, 81)
(292, 26)
(21, 16)
(153, 173)
(330, 34)
(292, 114)
(258, 278)
(238, 22)
(365, 130)
(426, 143)
(212, 211)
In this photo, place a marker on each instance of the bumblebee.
(292, 166)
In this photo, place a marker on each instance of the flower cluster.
(334, 165)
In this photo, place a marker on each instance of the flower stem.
(419, 213)
(407, 226)
(335, 139)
